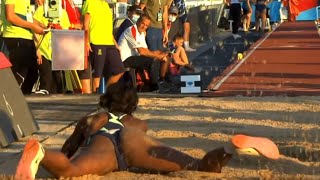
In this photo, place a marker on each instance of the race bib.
(159, 16)
(29, 17)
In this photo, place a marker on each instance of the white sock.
(186, 44)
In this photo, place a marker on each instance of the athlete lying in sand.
(114, 141)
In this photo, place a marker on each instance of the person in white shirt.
(135, 53)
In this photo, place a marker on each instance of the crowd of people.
(140, 43)
(241, 12)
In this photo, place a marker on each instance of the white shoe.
(42, 91)
(236, 36)
(189, 49)
(252, 29)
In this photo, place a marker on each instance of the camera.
(52, 8)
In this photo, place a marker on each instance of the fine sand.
(196, 125)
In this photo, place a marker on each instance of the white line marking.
(216, 87)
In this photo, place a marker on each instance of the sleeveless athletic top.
(113, 125)
(111, 130)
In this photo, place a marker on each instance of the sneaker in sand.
(262, 145)
(214, 160)
(29, 162)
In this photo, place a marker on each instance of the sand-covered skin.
(197, 125)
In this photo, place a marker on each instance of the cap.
(173, 10)
(135, 9)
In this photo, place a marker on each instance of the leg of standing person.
(258, 17)
(45, 74)
(263, 17)
(85, 78)
(22, 55)
(114, 64)
(154, 41)
(58, 82)
(98, 59)
(248, 20)
(186, 35)
(30, 80)
(235, 11)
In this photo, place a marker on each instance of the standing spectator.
(134, 13)
(183, 17)
(261, 14)
(235, 12)
(48, 78)
(104, 51)
(73, 14)
(76, 24)
(292, 7)
(18, 36)
(135, 52)
(157, 33)
(247, 12)
(172, 17)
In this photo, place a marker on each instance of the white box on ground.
(67, 49)
(190, 83)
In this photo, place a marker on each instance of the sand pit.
(197, 125)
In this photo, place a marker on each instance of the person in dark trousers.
(19, 27)
(112, 139)
(135, 53)
(49, 80)
(235, 13)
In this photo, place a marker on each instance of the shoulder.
(133, 122)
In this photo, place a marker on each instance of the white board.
(68, 49)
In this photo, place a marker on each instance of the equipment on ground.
(16, 119)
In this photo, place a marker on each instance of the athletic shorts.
(260, 8)
(103, 57)
(115, 139)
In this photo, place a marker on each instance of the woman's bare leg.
(144, 152)
(248, 21)
(258, 21)
(98, 158)
(263, 19)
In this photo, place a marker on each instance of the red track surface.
(285, 62)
